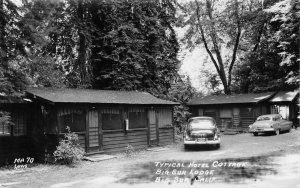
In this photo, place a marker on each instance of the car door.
(284, 124)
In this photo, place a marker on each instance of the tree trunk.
(218, 62)
(81, 60)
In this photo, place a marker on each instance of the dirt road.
(242, 161)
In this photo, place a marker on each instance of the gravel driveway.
(264, 156)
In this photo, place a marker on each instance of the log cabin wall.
(76, 117)
(100, 128)
(153, 127)
(117, 141)
(166, 130)
(104, 126)
(44, 132)
(231, 115)
(115, 136)
(14, 139)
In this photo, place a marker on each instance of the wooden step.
(94, 153)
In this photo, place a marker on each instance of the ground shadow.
(256, 168)
(197, 148)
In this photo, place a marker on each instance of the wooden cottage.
(106, 121)
(236, 111)
(286, 104)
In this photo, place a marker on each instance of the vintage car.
(201, 131)
(270, 123)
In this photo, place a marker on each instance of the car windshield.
(265, 118)
(201, 124)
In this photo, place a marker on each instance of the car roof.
(201, 117)
(270, 115)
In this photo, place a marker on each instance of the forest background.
(172, 49)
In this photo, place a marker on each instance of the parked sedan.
(270, 123)
(201, 131)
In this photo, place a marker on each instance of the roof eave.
(35, 97)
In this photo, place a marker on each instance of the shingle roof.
(284, 96)
(64, 95)
(231, 99)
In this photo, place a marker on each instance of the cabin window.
(225, 113)
(210, 113)
(111, 119)
(283, 110)
(137, 118)
(19, 124)
(200, 112)
(12, 124)
(74, 118)
(247, 112)
(5, 128)
(164, 117)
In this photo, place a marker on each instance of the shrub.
(5, 118)
(69, 151)
(129, 150)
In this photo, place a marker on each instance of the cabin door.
(93, 130)
(153, 127)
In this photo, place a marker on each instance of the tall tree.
(122, 45)
(136, 46)
(216, 30)
(271, 63)
(12, 80)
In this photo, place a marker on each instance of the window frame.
(163, 110)
(252, 115)
(111, 109)
(137, 110)
(13, 122)
(70, 111)
(10, 130)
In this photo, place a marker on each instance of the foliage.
(129, 151)
(253, 45)
(271, 64)
(136, 47)
(11, 79)
(285, 22)
(218, 26)
(181, 92)
(5, 118)
(119, 45)
(69, 151)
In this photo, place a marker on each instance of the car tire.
(218, 146)
(255, 134)
(277, 132)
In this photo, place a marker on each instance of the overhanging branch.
(200, 27)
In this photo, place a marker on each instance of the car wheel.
(218, 146)
(255, 134)
(277, 132)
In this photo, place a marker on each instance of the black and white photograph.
(149, 93)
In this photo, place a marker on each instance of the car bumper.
(204, 142)
(261, 130)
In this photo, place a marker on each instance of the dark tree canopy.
(136, 46)
(272, 63)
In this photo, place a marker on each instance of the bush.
(69, 151)
(129, 151)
